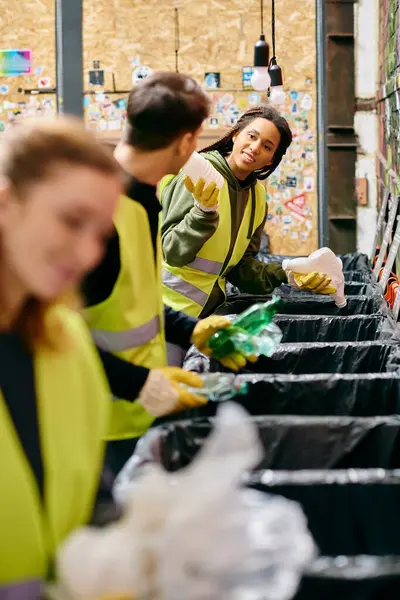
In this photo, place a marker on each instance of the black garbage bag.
(354, 328)
(351, 578)
(308, 304)
(360, 276)
(353, 261)
(333, 357)
(341, 395)
(351, 288)
(307, 358)
(289, 442)
(349, 512)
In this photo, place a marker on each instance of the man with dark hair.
(123, 295)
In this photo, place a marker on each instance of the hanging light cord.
(262, 16)
(176, 40)
(273, 28)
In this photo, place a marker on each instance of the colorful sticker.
(140, 73)
(3, 89)
(15, 62)
(212, 80)
(306, 103)
(291, 182)
(309, 184)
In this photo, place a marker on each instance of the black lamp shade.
(275, 72)
(261, 53)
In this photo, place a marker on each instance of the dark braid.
(225, 144)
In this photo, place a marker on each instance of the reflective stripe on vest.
(184, 287)
(31, 589)
(118, 341)
(206, 266)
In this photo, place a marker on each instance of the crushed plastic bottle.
(323, 261)
(251, 333)
(220, 386)
(199, 167)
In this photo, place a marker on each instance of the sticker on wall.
(247, 73)
(212, 80)
(96, 64)
(140, 73)
(306, 103)
(115, 125)
(254, 99)
(308, 81)
(287, 220)
(96, 77)
(296, 205)
(309, 184)
(3, 89)
(44, 82)
(38, 71)
(213, 122)
(291, 182)
(135, 62)
(2, 126)
(295, 235)
(227, 100)
(15, 62)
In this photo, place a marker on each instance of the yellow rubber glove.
(207, 197)
(319, 283)
(186, 399)
(204, 329)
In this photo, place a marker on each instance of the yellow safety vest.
(188, 288)
(73, 403)
(130, 322)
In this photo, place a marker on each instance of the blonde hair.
(29, 153)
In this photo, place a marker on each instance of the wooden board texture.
(215, 36)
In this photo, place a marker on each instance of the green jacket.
(185, 228)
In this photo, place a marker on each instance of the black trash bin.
(330, 357)
(363, 395)
(351, 288)
(354, 328)
(349, 512)
(351, 578)
(308, 304)
(289, 442)
(308, 358)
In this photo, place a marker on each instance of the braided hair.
(225, 144)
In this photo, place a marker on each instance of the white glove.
(158, 396)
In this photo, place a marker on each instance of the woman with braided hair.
(212, 235)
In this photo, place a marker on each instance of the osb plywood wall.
(215, 36)
(27, 24)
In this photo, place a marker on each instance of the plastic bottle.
(198, 167)
(220, 386)
(322, 261)
(251, 333)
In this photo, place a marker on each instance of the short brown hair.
(29, 152)
(162, 108)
